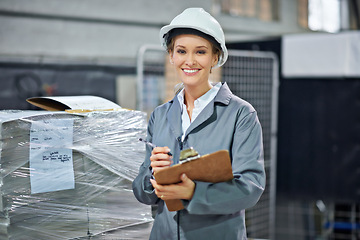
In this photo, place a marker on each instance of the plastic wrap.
(97, 195)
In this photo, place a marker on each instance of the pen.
(151, 145)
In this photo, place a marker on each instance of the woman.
(208, 118)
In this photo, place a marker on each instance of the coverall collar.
(223, 96)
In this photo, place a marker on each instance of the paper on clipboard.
(62, 103)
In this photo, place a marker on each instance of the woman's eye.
(180, 51)
(201, 52)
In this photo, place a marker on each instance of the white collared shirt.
(199, 105)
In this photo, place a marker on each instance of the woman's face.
(193, 59)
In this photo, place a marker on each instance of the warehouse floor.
(141, 231)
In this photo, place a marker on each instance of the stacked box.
(106, 155)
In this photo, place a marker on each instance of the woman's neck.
(191, 94)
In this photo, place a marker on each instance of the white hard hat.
(198, 19)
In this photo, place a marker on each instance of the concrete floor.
(141, 231)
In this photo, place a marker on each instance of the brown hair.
(171, 43)
(170, 39)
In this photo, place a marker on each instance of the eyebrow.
(202, 46)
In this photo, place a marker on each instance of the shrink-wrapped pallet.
(67, 176)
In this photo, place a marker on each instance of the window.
(324, 15)
(265, 10)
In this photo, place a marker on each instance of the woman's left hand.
(183, 190)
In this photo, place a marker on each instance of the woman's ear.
(215, 60)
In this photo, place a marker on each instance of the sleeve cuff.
(147, 186)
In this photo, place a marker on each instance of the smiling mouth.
(190, 71)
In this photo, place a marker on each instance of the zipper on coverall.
(178, 212)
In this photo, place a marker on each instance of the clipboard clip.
(187, 155)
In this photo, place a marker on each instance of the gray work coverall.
(216, 211)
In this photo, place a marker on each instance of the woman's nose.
(190, 61)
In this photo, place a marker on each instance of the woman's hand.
(160, 159)
(183, 190)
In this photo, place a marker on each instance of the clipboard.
(214, 167)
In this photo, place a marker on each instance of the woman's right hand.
(160, 159)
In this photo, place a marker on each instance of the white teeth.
(190, 70)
